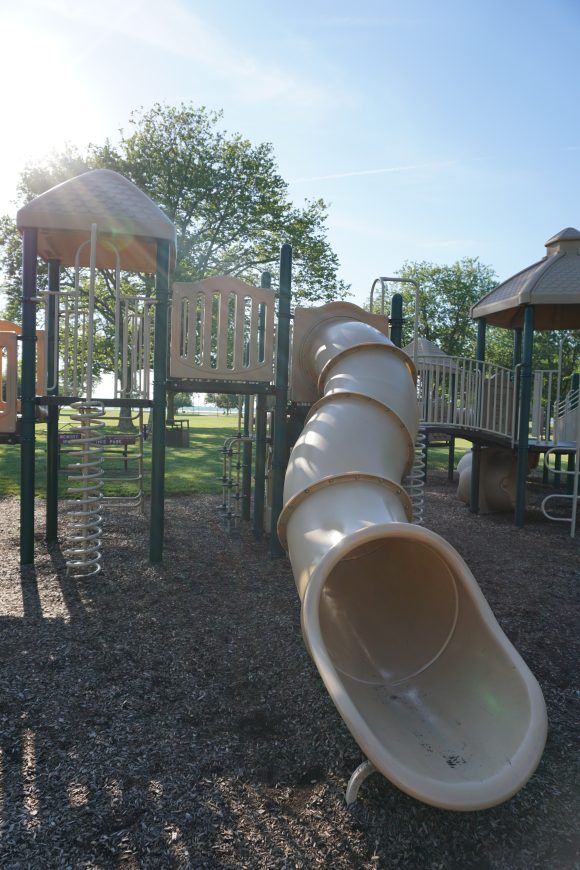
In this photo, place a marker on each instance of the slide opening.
(388, 610)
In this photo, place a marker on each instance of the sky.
(434, 129)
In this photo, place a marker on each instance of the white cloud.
(171, 27)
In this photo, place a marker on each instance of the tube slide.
(425, 679)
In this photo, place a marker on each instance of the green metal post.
(545, 470)
(260, 426)
(476, 449)
(451, 459)
(51, 327)
(557, 468)
(260, 468)
(524, 415)
(517, 354)
(451, 455)
(571, 467)
(28, 393)
(279, 457)
(247, 461)
(396, 319)
(159, 399)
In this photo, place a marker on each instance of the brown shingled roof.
(552, 285)
(125, 217)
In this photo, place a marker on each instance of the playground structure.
(397, 650)
(96, 221)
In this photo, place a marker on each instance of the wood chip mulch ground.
(170, 716)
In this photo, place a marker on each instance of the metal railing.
(566, 424)
(463, 392)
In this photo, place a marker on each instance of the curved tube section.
(428, 684)
(497, 479)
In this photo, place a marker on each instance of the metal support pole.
(52, 336)
(158, 411)
(557, 468)
(451, 459)
(247, 460)
(260, 426)
(524, 418)
(451, 455)
(517, 354)
(545, 471)
(476, 449)
(571, 467)
(396, 319)
(260, 468)
(28, 391)
(570, 480)
(279, 457)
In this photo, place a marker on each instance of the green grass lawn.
(186, 470)
(438, 456)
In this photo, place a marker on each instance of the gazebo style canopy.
(129, 232)
(544, 296)
(552, 286)
(127, 221)
(427, 350)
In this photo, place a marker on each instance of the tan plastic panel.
(201, 345)
(415, 662)
(497, 479)
(10, 406)
(8, 380)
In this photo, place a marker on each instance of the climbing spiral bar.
(85, 495)
(414, 482)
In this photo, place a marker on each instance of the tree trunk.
(125, 420)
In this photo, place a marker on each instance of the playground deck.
(169, 715)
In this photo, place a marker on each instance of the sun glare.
(46, 99)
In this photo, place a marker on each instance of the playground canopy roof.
(426, 350)
(552, 285)
(127, 220)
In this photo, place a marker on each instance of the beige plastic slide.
(429, 686)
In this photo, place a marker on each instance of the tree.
(225, 195)
(226, 401)
(447, 294)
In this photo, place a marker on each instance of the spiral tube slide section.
(497, 479)
(426, 681)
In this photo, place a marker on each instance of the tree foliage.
(225, 196)
(447, 294)
(225, 401)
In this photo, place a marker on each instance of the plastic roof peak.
(551, 285)
(568, 234)
(425, 348)
(126, 218)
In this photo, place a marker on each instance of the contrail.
(387, 169)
